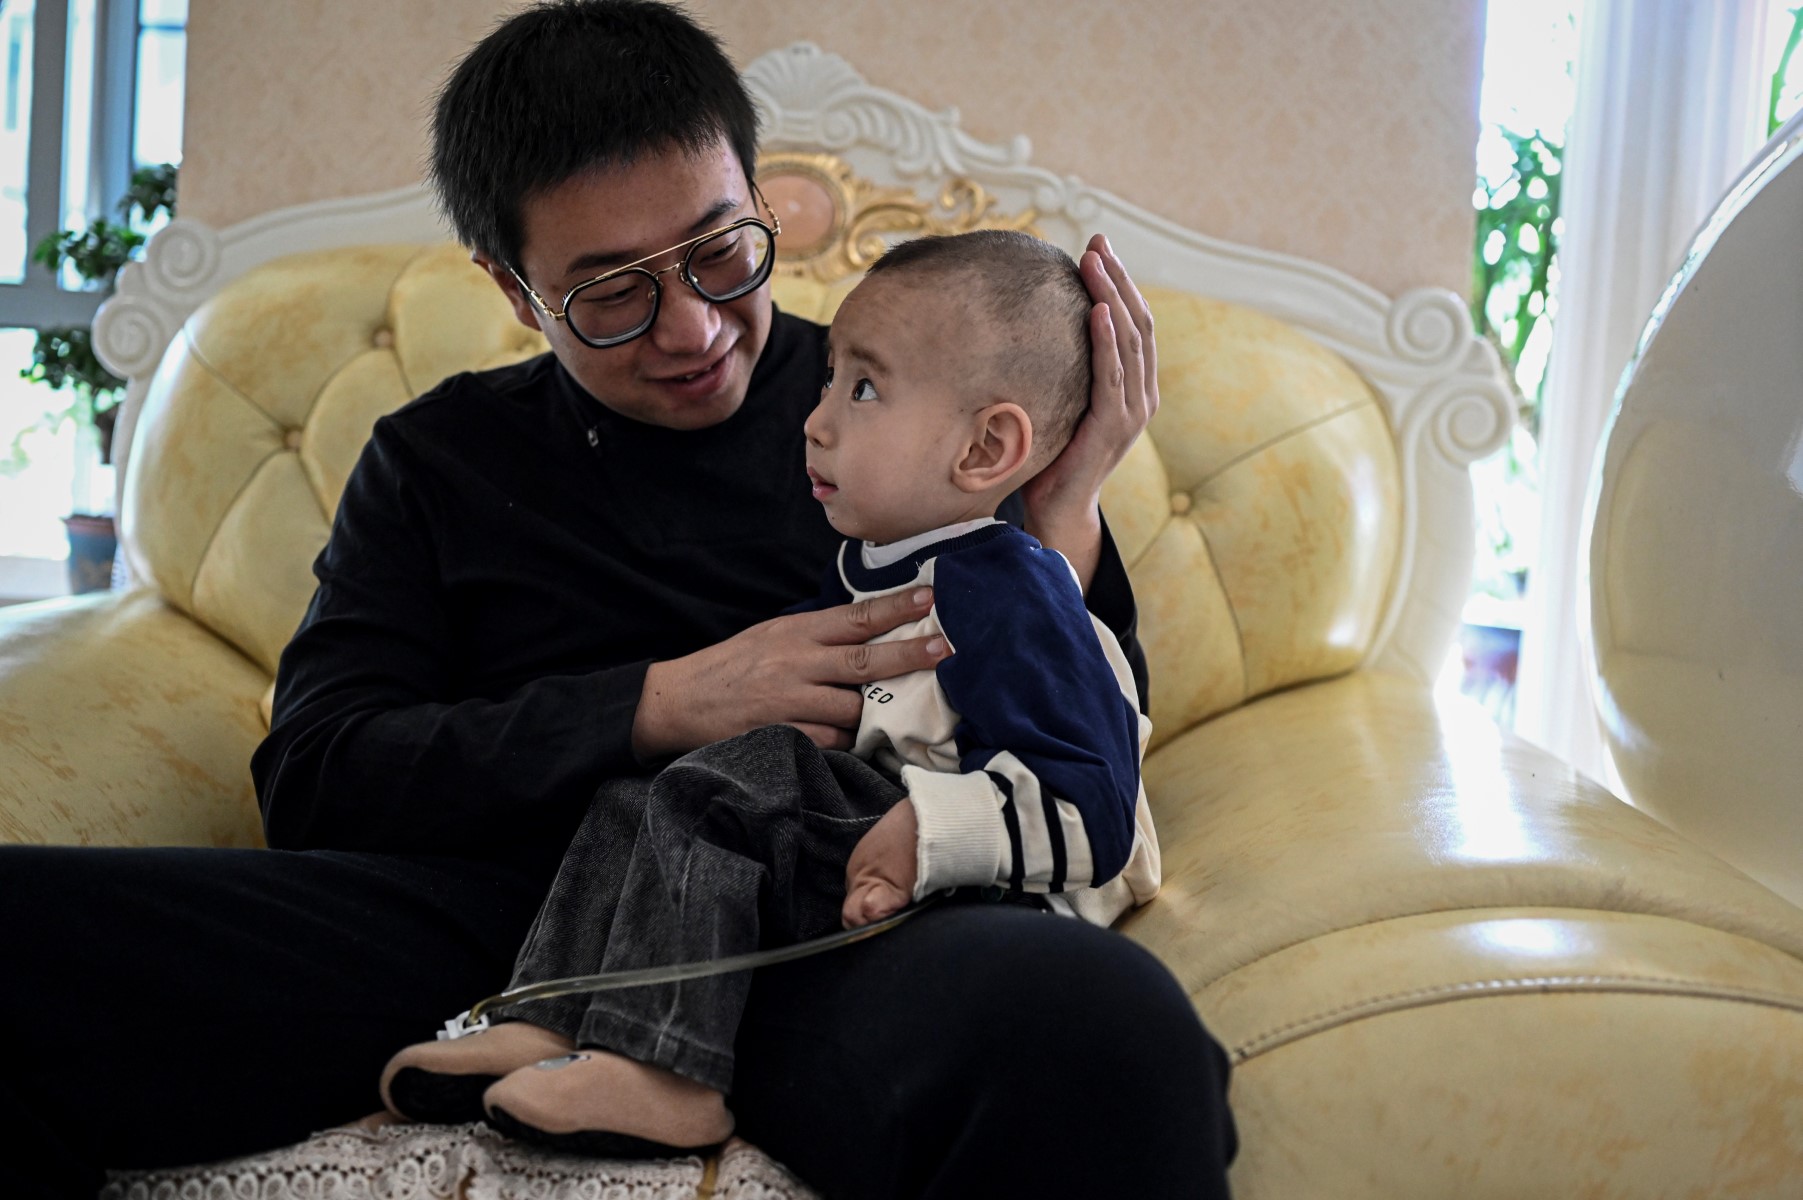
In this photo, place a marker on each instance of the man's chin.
(687, 417)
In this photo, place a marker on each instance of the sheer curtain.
(1669, 108)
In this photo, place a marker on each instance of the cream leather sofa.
(1443, 963)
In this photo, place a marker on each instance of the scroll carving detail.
(867, 218)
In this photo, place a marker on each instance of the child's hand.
(879, 878)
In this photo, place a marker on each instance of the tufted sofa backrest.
(1260, 518)
(261, 406)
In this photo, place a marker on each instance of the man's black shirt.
(509, 557)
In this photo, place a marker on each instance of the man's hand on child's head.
(879, 878)
(1123, 396)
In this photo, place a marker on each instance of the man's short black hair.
(569, 86)
(1031, 298)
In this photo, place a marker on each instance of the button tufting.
(1180, 503)
(384, 339)
(292, 439)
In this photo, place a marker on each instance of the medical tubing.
(612, 980)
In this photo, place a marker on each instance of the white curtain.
(1669, 107)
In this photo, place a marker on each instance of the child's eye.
(827, 386)
(863, 390)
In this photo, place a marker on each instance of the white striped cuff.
(962, 838)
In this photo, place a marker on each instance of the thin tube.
(474, 1020)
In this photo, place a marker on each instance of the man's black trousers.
(173, 1006)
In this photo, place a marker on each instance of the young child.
(956, 371)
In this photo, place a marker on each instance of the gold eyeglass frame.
(774, 228)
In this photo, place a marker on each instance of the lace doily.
(456, 1162)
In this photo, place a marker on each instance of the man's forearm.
(363, 770)
(1077, 536)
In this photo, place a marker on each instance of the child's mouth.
(821, 487)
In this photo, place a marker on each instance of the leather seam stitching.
(1214, 564)
(1281, 438)
(1445, 993)
(200, 563)
(1168, 518)
(306, 423)
(400, 368)
(1239, 633)
(1483, 906)
(218, 375)
(206, 364)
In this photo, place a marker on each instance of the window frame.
(39, 300)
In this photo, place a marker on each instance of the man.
(544, 581)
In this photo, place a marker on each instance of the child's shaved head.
(1033, 315)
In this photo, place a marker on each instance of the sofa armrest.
(1444, 963)
(123, 722)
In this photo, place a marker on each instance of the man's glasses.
(721, 264)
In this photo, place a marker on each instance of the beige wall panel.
(309, 99)
(1339, 130)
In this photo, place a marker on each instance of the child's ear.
(1001, 440)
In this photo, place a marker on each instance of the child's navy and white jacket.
(1021, 751)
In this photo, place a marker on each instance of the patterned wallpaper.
(1340, 130)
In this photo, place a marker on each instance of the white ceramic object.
(1441, 386)
(1696, 546)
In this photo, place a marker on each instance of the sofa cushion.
(1260, 517)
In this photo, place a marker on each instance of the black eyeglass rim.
(657, 285)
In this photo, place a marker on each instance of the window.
(1528, 94)
(1530, 54)
(92, 90)
(1784, 59)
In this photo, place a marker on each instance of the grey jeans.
(735, 847)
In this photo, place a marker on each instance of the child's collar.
(874, 556)
(861, 579)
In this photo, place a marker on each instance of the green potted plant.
(64, 360)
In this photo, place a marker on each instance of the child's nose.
(814, 428)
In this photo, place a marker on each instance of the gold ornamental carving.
(842, 222)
